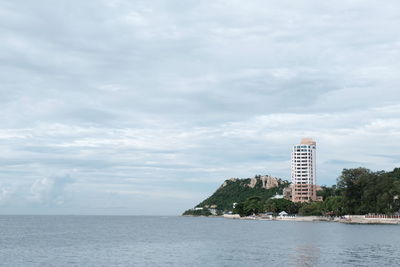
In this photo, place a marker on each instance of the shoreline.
(348, 219)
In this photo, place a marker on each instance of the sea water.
(190, 241)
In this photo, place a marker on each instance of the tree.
(253, 205)
(327, 191)
(203, 212)
(333, 206)
(239, 209)
(350, 182)
(278, 205)
(365, 192)
(311, 208)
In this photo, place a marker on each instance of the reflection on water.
(305, 255)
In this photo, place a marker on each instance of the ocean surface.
(188, 241)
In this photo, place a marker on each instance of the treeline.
(361, 191)
(358, 191)
(203, 212)
(255, 205)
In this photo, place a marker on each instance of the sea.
(192, 241)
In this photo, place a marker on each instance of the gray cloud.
(171, 98)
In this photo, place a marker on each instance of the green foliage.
(364, 191)
(239, 209)
(253, 205)
(358, 191)
(327, 192)
(311, 208)
(333, 206)
(278, 205)
(256, 205)
(203, 212)
(236, 191)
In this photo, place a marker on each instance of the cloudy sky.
(146, 107)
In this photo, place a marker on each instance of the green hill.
(237, 190)
(358, 191)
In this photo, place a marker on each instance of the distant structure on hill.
(304, 178)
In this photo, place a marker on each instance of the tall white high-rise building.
(304, 178)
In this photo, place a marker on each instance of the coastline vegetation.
(357, 191)
(236, 191)
(202, 212)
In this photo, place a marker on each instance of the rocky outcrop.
(269, 182)
(266, 181)
(231, 180)
(253, 182)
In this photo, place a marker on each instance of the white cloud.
(50, 190)
(5, 192)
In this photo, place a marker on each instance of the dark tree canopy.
(364, 191)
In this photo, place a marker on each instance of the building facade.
(304, 178)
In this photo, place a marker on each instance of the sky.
(145, 107)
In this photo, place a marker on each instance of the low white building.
(277, 197)
(283, 214)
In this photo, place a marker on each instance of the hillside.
(237, 190)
